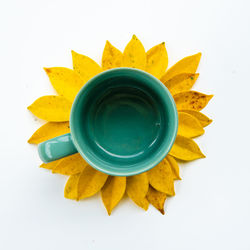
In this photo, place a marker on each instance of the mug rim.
(152, 163)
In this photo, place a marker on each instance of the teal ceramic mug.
(123, 122)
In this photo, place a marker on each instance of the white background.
(211, 209)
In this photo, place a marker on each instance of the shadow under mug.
(123, 122)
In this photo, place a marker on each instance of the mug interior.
(123, 121)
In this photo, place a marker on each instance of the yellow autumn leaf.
(189, 126)
(137, 188)
(66, 82)
(48, 131)
(155, 185)
(111, 57)
(50, 165)
(157, 60)
(70, 165)
(71, 187)
(181, 82)
(191, 100)
(85, 66)
(134, 55)
(174, 167)
(157, 199)
(161, 178)
(90, 182)
(51, 108)
(185, 149)
(188, 64)
(204, 120)
(113, 191)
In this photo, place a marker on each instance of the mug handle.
(56, 148)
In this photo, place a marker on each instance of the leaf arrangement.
(154, 186)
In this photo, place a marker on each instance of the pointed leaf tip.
(157, 199)
(191, 100)
(49, 131)
(189, 126)
(70, 165)
(134, 54)
(113, 191)
(50, 165)
(111, 57)
(51, 108)
(90, 182)
(65, 81)
(161, 178)
(137, 188)
(47, 70)
(157, 60)
(174, 167)
(188, 64)
(204, 120)
(185, 149)
(181, 82)
(71, 187)
(84, 66)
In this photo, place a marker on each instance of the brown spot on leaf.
(47, 70)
